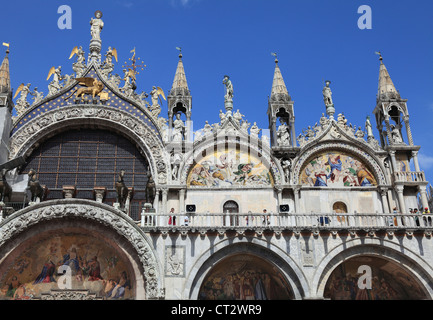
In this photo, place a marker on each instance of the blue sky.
(315, 40)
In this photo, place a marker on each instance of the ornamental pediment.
(330, 129)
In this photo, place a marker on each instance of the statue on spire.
(229, 88)
(327, 98)
(96, 26)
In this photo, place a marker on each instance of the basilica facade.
(105, 197)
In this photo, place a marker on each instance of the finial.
(275, 55)
(380, 55)
(7, 46)
(180, 51)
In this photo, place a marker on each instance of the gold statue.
(91, 86)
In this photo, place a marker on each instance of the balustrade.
(289, 221)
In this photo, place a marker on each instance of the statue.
(155, 96)
(327, 98)
(254, 131)
(5, 188)
(150, 190)
(79, 66)
(22, 102)
(229, 88)
(37, 96)
(36, 190)
(207, 130)
(108, 65)
(327, 94)
(55, 85)
(92, 86)
(222, 116)
(368, 127)
(121, 190)
(176, 159)
(178, 128)
(238, 116)
(283, 135)
(395, 135)
(286, 164)
(96, 26)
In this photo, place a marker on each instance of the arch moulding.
(55, 210)
(28, 137)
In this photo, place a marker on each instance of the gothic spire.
(180, 85)
(386, 87)
(5, 80)
(279, 89)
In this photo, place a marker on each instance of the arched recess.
(284, 267)
(216, 147)
(28, 137)
(386, 263)
(370, 160)
(83, 225)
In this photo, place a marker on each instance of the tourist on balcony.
(265, 218)
(415, 211)
(172, 218)
(427, 220)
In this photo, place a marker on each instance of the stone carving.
(283, 135)
(327, 98)
(286, 164)
(37, 96)
(254, 131)
(396, 135)
(175, 261)
(176, 160)
(229, 88)
(96, 26)
(178, 128)
(22, 104)
(80, 64)
(54, 86)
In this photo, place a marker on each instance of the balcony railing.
(288, 221)
(408, 176)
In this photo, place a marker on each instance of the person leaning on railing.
(427, 220)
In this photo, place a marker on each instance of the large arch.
(371, 160)
(409, 261)
(28, 136)
(87, 219)
(239, 142)
(256, 247)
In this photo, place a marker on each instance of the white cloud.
(425, 161)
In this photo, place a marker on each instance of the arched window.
(339, 207)
(231, 207)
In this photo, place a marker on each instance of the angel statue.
(156, 95)
(108, 65)
(22, 102)
(96, 26)
(79, 66)
(55, 85)
(229, 88)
